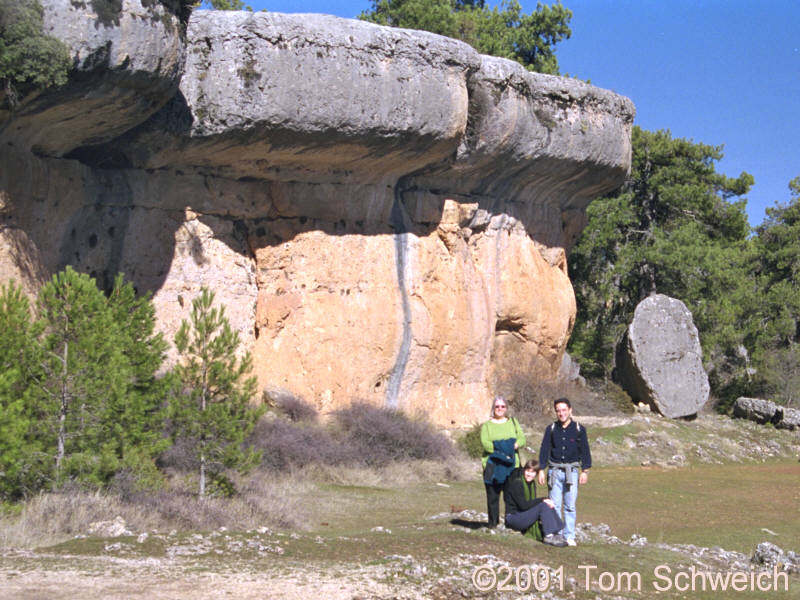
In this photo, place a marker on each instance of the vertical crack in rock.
(498, 267)
(401, 233)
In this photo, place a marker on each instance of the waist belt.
(568, 468)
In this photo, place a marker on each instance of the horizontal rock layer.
(385, 214)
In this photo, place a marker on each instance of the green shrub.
(28, 58)
(618, 397)
(470, 442)
(220, 486)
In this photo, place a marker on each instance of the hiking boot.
(555, 539)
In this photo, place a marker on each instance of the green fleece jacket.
(491, 431)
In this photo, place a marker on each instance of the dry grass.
(396, 474)
(263, 500)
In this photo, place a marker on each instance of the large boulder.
(660, 361)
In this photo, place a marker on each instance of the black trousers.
(551, 522)
(493, 502)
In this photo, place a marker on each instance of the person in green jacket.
(498, 427)
(524, 509)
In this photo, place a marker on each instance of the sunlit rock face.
(384, 214)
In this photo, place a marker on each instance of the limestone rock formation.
(385, 214)
(570, 370)
(766, 411)
(660, 361)
(128, 58)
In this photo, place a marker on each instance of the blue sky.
(720, 72)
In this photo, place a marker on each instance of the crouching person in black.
(523, 508)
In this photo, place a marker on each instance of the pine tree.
(226, 5)
(213, 411)
(673, 228)
(20, 455)
(83, 374)
(774, 332)
(28, 58)
(505, 31)
(137, 423)
(80, 383)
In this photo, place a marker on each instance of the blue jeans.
(561, 496)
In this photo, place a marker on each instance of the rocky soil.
(248, 565)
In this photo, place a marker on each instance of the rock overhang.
(317, 98)
(127, 62)
(379, 209)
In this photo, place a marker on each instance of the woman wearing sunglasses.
(501, 437)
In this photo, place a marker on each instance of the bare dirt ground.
(154, 580)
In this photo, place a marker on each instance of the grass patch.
(615, 435)
(389, 532)
(705, 505)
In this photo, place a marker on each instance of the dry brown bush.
(530, 395)
(297, 409)
(360, 435)
(286, 446)
(263, 500)
(381, 436)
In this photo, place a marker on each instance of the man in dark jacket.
(523, 508)
(565, 453)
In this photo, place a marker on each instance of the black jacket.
(514, 493)
(565, 445)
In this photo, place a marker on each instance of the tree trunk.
(202, 475)
(62, 415)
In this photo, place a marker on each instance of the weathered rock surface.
(128, 57)
(660, 361)
(385, 214)
(766, 411)
(308, 98)
(569, 370)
